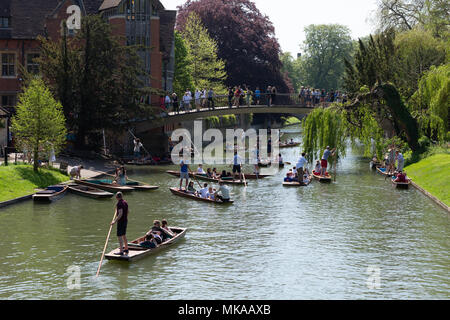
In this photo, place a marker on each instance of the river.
(357, 238)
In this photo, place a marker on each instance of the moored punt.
(298, 184)
(104, 186)
(401, 185)
(148, 163)
(288, 145)
(180, 193)
(90, 192)
(382, 171)
(205, 178)
(136, 251)
(326, 178)
(50, 193)
(136, 185)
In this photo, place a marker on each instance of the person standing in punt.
(121, 219)
(324, 162)
(237, 162)
(184, 173)
(300, 164)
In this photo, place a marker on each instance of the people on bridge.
(187, 102)
(237, 96)
(211, 98)
(175, 102)
(257, 96)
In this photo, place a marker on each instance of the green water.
(273, 243)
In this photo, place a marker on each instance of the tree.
(326, 47)
(417, 51)
(99, 81)
(293, 69)
(182, 78)
(206, 69)
(431, 102)
(245, 38)
(39, 123)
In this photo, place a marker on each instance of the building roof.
(4, 113)
(167, 20)
(107, 4)
(28, 16)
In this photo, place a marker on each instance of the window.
(32, 65)
(8, 100)
(8, 65)
(5, 22)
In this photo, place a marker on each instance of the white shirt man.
(204, 192)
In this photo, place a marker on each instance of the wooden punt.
(325, 179)
(288, 145)
(90, 192)
(298, 184)
(382, 171)
(401, 185)
(177, 192)
(137, 252)
(148, 163)
(268, 164)
(50, 193)
(104, 186)
(205, 178)
(136, 185)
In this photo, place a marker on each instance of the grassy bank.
(290, 121)
(432, 174)
(20, 180)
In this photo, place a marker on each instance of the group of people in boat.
(392, 157)
(159, 233)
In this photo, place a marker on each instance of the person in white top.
(225, 193)
(197, 99)
(187, 102)
(300, 164)
(211, 193)
(137, 148)
(76, 172)
(200, 169)
(203, 192)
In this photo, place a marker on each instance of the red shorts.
(324, 163)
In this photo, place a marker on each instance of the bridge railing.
(261, 100)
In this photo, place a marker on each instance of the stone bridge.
(281, 104)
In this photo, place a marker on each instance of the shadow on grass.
(41, 179)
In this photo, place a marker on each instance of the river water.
(357, 238)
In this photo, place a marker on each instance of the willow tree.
(207, 70)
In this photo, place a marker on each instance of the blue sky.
(290, 17)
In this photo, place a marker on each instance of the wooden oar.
(243, 175)
(106, 244)
(195, 178)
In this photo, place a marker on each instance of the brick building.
(143, 22)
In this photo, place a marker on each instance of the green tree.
(39, 123)
(326, 47)
(293, 68)
(183, 78)
(100, 82)
(206, 68)
(417, 51)
(431, 102)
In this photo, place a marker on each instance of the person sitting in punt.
(224, 193)
(203, 193)
(191, 188)
(401, 177)
(160, 234)
(121, 176)
(200, 169)
(294, 174)
(289, 176)
(318, 167)
(210, 194)
(209, 173)
(165, 227)
(149, 241)
(215, 175)
(292, 141)
(306, 172)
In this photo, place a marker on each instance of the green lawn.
(20, 180)
(433, 175)
(291, 121)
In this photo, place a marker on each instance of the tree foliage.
(207, 70)
(326, 47)
(431, 102)
(39, 123)
(99, 81)
(293, 68)
(245, 38)
(182, 78)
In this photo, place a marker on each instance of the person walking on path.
(175, 102)
(122, 220)
(324, 162)
(211, 98)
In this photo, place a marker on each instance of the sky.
(290, 17)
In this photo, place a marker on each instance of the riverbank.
(432, 174)
(20, 180)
